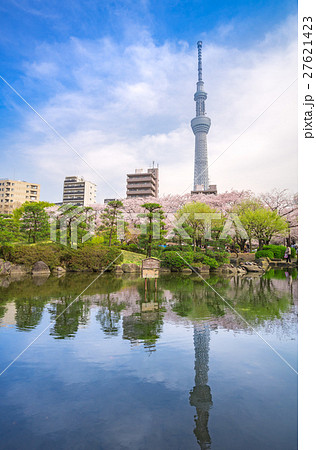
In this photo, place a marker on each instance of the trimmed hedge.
(220, 257)
(92, 258)
(264, 254)
(174, 261)
(86, 258)
(205, 259)
(50, 254)
(279, 251)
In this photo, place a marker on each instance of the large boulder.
(264, 262)
(252, 267)
(241, 271)
(227, 269)
(118, 270)
(186, 270)
(5, 267)
(40, 268)
(17, 270)
(201, 269)
(58, 271)
(130, 268)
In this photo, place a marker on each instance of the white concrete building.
(78, 191)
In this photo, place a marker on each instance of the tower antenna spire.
(199, 46)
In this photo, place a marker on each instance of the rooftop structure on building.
(200, 127)
(13, 193)
(107, 200)
(212, 189)
(79, 192)
(143, 184)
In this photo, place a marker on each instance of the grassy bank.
(132, 258)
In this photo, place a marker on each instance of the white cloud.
(122, 108)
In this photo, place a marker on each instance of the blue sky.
(117, 78)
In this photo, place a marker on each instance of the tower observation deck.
(200, 126)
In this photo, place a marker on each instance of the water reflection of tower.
(200, 395)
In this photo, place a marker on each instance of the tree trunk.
(149, 238)
(110, 237)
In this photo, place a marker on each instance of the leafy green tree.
(80, 216)
(109, 218)
(18, 212)
(155, 228)
(200, 222)
(35, 222)
(251, 204)
(9, 229)
(262, 224)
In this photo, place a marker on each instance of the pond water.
(156, 364)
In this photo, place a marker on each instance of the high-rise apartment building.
(200, 127)
(13, 193)
(143, 184)
(78, 191)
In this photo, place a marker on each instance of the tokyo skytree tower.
(200, 126)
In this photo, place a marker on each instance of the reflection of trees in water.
(67, 317)
(109, 315)
(54, 288)
(28, 313)
(255, 298)
(2, 310)
(146, 325)
(195, 299)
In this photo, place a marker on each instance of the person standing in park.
(288, 254)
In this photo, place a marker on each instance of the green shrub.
(198, 257)
(5, 251)
(264, 254)
(174, 261)
(95, 240)
(205, 259)
(211, 262)
(197, 264)
(87, 257)
(92, 258)
(178, 248)
(50, 254)
(279, 250)
(133, 248)
(172, 248)
(221, 257)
